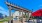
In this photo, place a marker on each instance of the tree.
(1, 15)
(5, 15)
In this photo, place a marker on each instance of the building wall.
(17, 13)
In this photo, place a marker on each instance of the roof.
(17, 7)
(37, 13)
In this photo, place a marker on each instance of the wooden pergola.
(17, 8)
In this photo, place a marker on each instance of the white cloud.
(40, 5)
(2, 10)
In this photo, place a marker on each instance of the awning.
(37, 13)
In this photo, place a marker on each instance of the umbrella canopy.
(37, 13)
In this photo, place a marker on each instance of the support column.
(22, 16)
(25, 14)
(9, 15)
(28, 15)
(19, 13)
(19, 16)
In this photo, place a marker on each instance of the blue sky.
(28, 4)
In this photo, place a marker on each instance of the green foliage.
(5, 19)
(26, 16)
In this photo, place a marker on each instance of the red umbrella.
(37, 13)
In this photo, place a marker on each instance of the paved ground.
(5, 22)
(16, 21)
(28, 21)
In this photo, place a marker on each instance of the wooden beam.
(17, 7)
